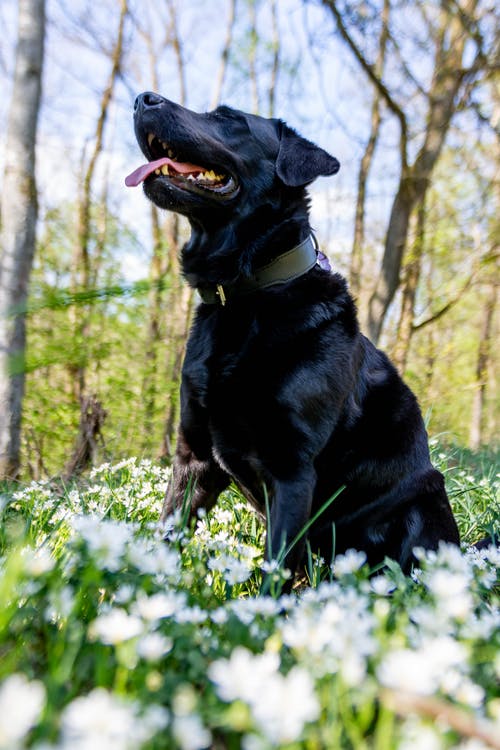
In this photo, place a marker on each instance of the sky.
(321, 93)
(319, 98)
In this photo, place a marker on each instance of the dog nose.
(147, 100)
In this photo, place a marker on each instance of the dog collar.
(286, 267)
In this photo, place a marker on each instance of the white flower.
(348, 563)
(153, 558)
(492, 554)
(106, 539)
(381, 585)
(21, 703)
(276, 570)
(124, 594)
(335, 636)
(419, 736)
(472, 744)
(160, 605)
(115, 626)
(404, 669)
(219, 616)
(285, 705)
(100, 721)
(61, 603)
(311, 631)
(233, 569)
(423, 670)
(353, 668)
(217, 563)
(37, 562)
(450, 589)
(153, 646)
(451, 556)
(483, 626)
(443, 583)
(190, 733)
(195, 615)
(253, 742)
(237, 572)
(247, 610)
(469, 693)
(280, 705)
(223, 516)
(243, 674)
(155, 718)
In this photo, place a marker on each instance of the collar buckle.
(221, 294)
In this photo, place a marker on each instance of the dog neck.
(285, 267)
(230, 249)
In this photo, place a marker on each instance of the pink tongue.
(140, 174)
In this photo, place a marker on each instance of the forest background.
(95, 314)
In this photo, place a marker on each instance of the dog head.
(218, 162)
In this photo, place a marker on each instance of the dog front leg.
(195, 482)
(290, 512)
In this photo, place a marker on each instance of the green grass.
(110, 638)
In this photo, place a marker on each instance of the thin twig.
(463, 722)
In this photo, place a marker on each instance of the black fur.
(280, 389)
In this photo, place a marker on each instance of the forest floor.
(111, 639)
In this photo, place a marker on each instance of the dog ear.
(300, 161)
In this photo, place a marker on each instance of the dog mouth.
(165, 165)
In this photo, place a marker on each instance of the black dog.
(280, 391)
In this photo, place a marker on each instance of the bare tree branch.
(371, 72)
(175, 41)
(463, 722)
(276, 58)
(252, 55)
(457, 297)
(221, 76)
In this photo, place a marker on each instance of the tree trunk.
(366, 162)
(180, 304)
(482, 364)
(447, 80)
(81, 261)
(18, 226)
(157, 275)
(177, 336)
(92, 417)
(410, 286)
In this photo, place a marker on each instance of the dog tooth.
(157, 171)
(151, 138)
(164, 169)
(170, 153)
(164, 145)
